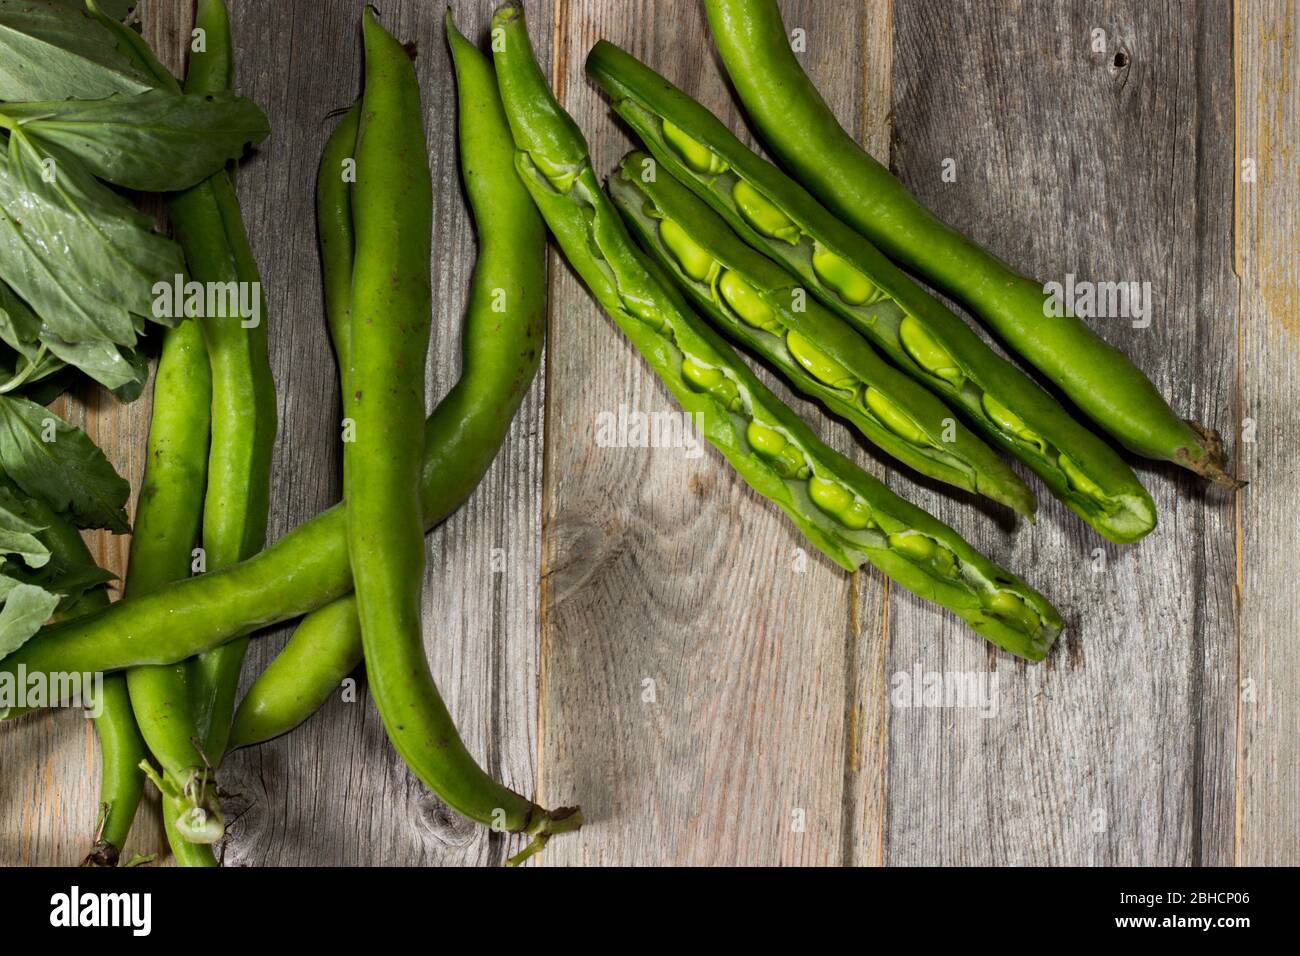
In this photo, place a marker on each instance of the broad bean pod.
(775, 215)
(236, 508)
(392, 212)
(121, 747)
(167, 521)
(843, 511)
(756, 302)
(796, 122)
(326, 645)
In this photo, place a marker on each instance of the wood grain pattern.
(335, 792)
(1106, 162)
(1268, 177)
(634, 629)
(668, 575)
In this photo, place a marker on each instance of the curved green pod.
(392, 210)
(796, 122)
(776, 216)
(120, 744)
(756, 302)
(237, 504)
(170, 507)
(323, 650)
(841, 509)
(326, 645)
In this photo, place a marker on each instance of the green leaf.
(82, 257)
(116, 9)
(49, 51)
(67, 472)
(46, 390)
(67, 570)
(155, 141)
(20, 329)
(18, 534)
(68, 580)
(102, 361)
(26, 608)
(131, 45)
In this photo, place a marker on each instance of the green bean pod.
(796, 122)
(121, 747)
(334, 229)
(391, 309)
(121, 784)
(324, 649)
(756, 302)
(776, 216)
(167, 521)
(326, 646)
(237, 505)
(502, 350)
(846, 513)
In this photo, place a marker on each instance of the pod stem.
(1211, 463)
(545, 824)
(200, 821)
(103, 853)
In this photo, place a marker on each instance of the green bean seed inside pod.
(746, 302)
(840, 503)
(1081, 482)
(690, 255)
(928, 353)
(647, 313)
(918, 547)
(706, 378)
(818, 364)
(763, 214)
(694, 154)
(561, 177)
(1012, 609)
(924, 550)
(1011, 423)
(784, 456)
(847, 282)
(894, 418)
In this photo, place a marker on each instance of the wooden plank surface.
(669, 575)
(1268, 262)
(634, 629)
(1108, 162)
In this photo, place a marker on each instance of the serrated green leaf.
(67, 473)
(50, 51)
(82, 257)
(155, 141)
(26, 608)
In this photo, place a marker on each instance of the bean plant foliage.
(81, 130)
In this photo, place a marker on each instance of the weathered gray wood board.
(1268, 528)
(651, 638)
